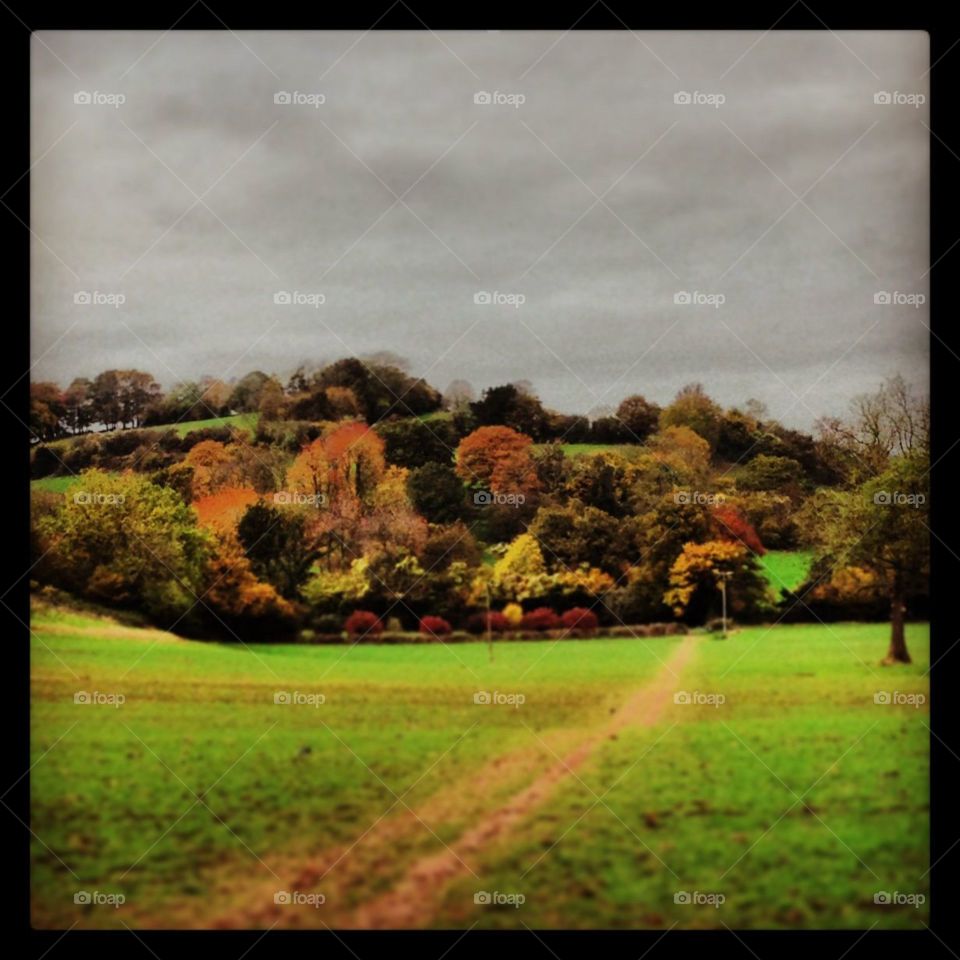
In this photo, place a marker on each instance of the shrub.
(478, 623)
(579, 618)
(434, 627)
(327, 623)
(513, 613)
(362, 623)
(543, 618)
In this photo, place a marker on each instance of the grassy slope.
(798, 798)
(688, 797)
(786, 568)
(192, 709)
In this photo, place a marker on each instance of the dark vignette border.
(18, 19)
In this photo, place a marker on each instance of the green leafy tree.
(276, 544)
(126, 541)
(882, 525)
(413, 443)
(639, 416)
(437, 493)
(694, 409)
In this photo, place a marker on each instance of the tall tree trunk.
(898, 641)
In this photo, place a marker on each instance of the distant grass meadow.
(793, 795)
(786, 569)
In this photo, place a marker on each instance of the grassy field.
(53, 484)
(600, 798)
(583, 449)
(786, 569)
(241, 421)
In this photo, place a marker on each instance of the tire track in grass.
(414, 897)
(414, 900)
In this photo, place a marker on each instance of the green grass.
(53, 484)
(797, 799)
(585, 449)
(786, 569)
(246, 422)
(114, 789)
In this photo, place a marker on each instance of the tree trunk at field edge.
(898, 642)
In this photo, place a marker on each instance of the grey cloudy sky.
(597, 199)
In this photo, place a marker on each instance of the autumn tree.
(121, 539)
(694, 409)
(413, 443)
(730, 523)
(696, 575)
(275, 542)
(459, 394)
(78, 405)
(771, 473)
(212, 467)
(47, 410)
(882, 525)
(603, 480)
(639, 416)
(482, 455)
(220, 512)
(893, 422)
(512, 406)
(245, 395)
(576, 534)
(437, 493)
(270, 399)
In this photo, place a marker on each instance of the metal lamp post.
(723, 576)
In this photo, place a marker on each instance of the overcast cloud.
(495, 198)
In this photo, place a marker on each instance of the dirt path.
(414, 899)
(412, 902)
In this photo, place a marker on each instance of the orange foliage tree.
(495, 457)
(221, 511)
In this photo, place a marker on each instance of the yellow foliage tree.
(699, 563)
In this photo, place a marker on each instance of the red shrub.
(434, 627)
(579, 618)
(362, 623)
(543, 618)
(477, 623)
